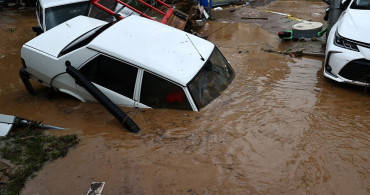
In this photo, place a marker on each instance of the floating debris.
(8, 121)
(96, 188)
(249, 18)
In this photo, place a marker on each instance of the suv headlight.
(344, 43)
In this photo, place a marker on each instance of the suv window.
(160, 93)
(112, 74)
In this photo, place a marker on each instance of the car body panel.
(50, 66)
(52, 43)
(355, 25)
(365, 52)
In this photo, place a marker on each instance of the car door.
(116, 79)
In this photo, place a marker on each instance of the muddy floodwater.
(280, 127)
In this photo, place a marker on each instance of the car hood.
(56, 39)
(354, 24)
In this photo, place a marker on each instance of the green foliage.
(28, 150)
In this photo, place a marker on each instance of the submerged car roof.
(156, 47)
(54, 3)
(54, 40)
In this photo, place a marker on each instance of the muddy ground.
(280, 127)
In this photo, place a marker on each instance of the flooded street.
(280, 127)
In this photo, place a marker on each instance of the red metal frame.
(165, 14)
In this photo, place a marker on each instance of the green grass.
(28, 150)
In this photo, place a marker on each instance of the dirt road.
(280, 127)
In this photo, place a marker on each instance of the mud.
(280, 127)
(310, 10)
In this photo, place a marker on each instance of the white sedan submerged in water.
(135, 62)
(348, 46)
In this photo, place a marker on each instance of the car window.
(160, 93)
(98, 13)
(60, 14)
(112, 74)
(361, 4)
(211, 80)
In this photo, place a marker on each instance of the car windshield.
(361, 4)
(211, 80)
(60, 14)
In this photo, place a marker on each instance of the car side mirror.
(38, 30)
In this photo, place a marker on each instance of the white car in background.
(348, 45)
(51, 13)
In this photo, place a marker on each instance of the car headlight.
(345, 43)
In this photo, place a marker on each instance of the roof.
(53, 3)
(51, 41)
(156, 47)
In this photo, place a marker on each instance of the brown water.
(280, 127)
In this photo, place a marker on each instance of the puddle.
(280, 127)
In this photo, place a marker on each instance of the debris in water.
(248, 18)
(96, 188)
(8, 121)
(289, 52)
